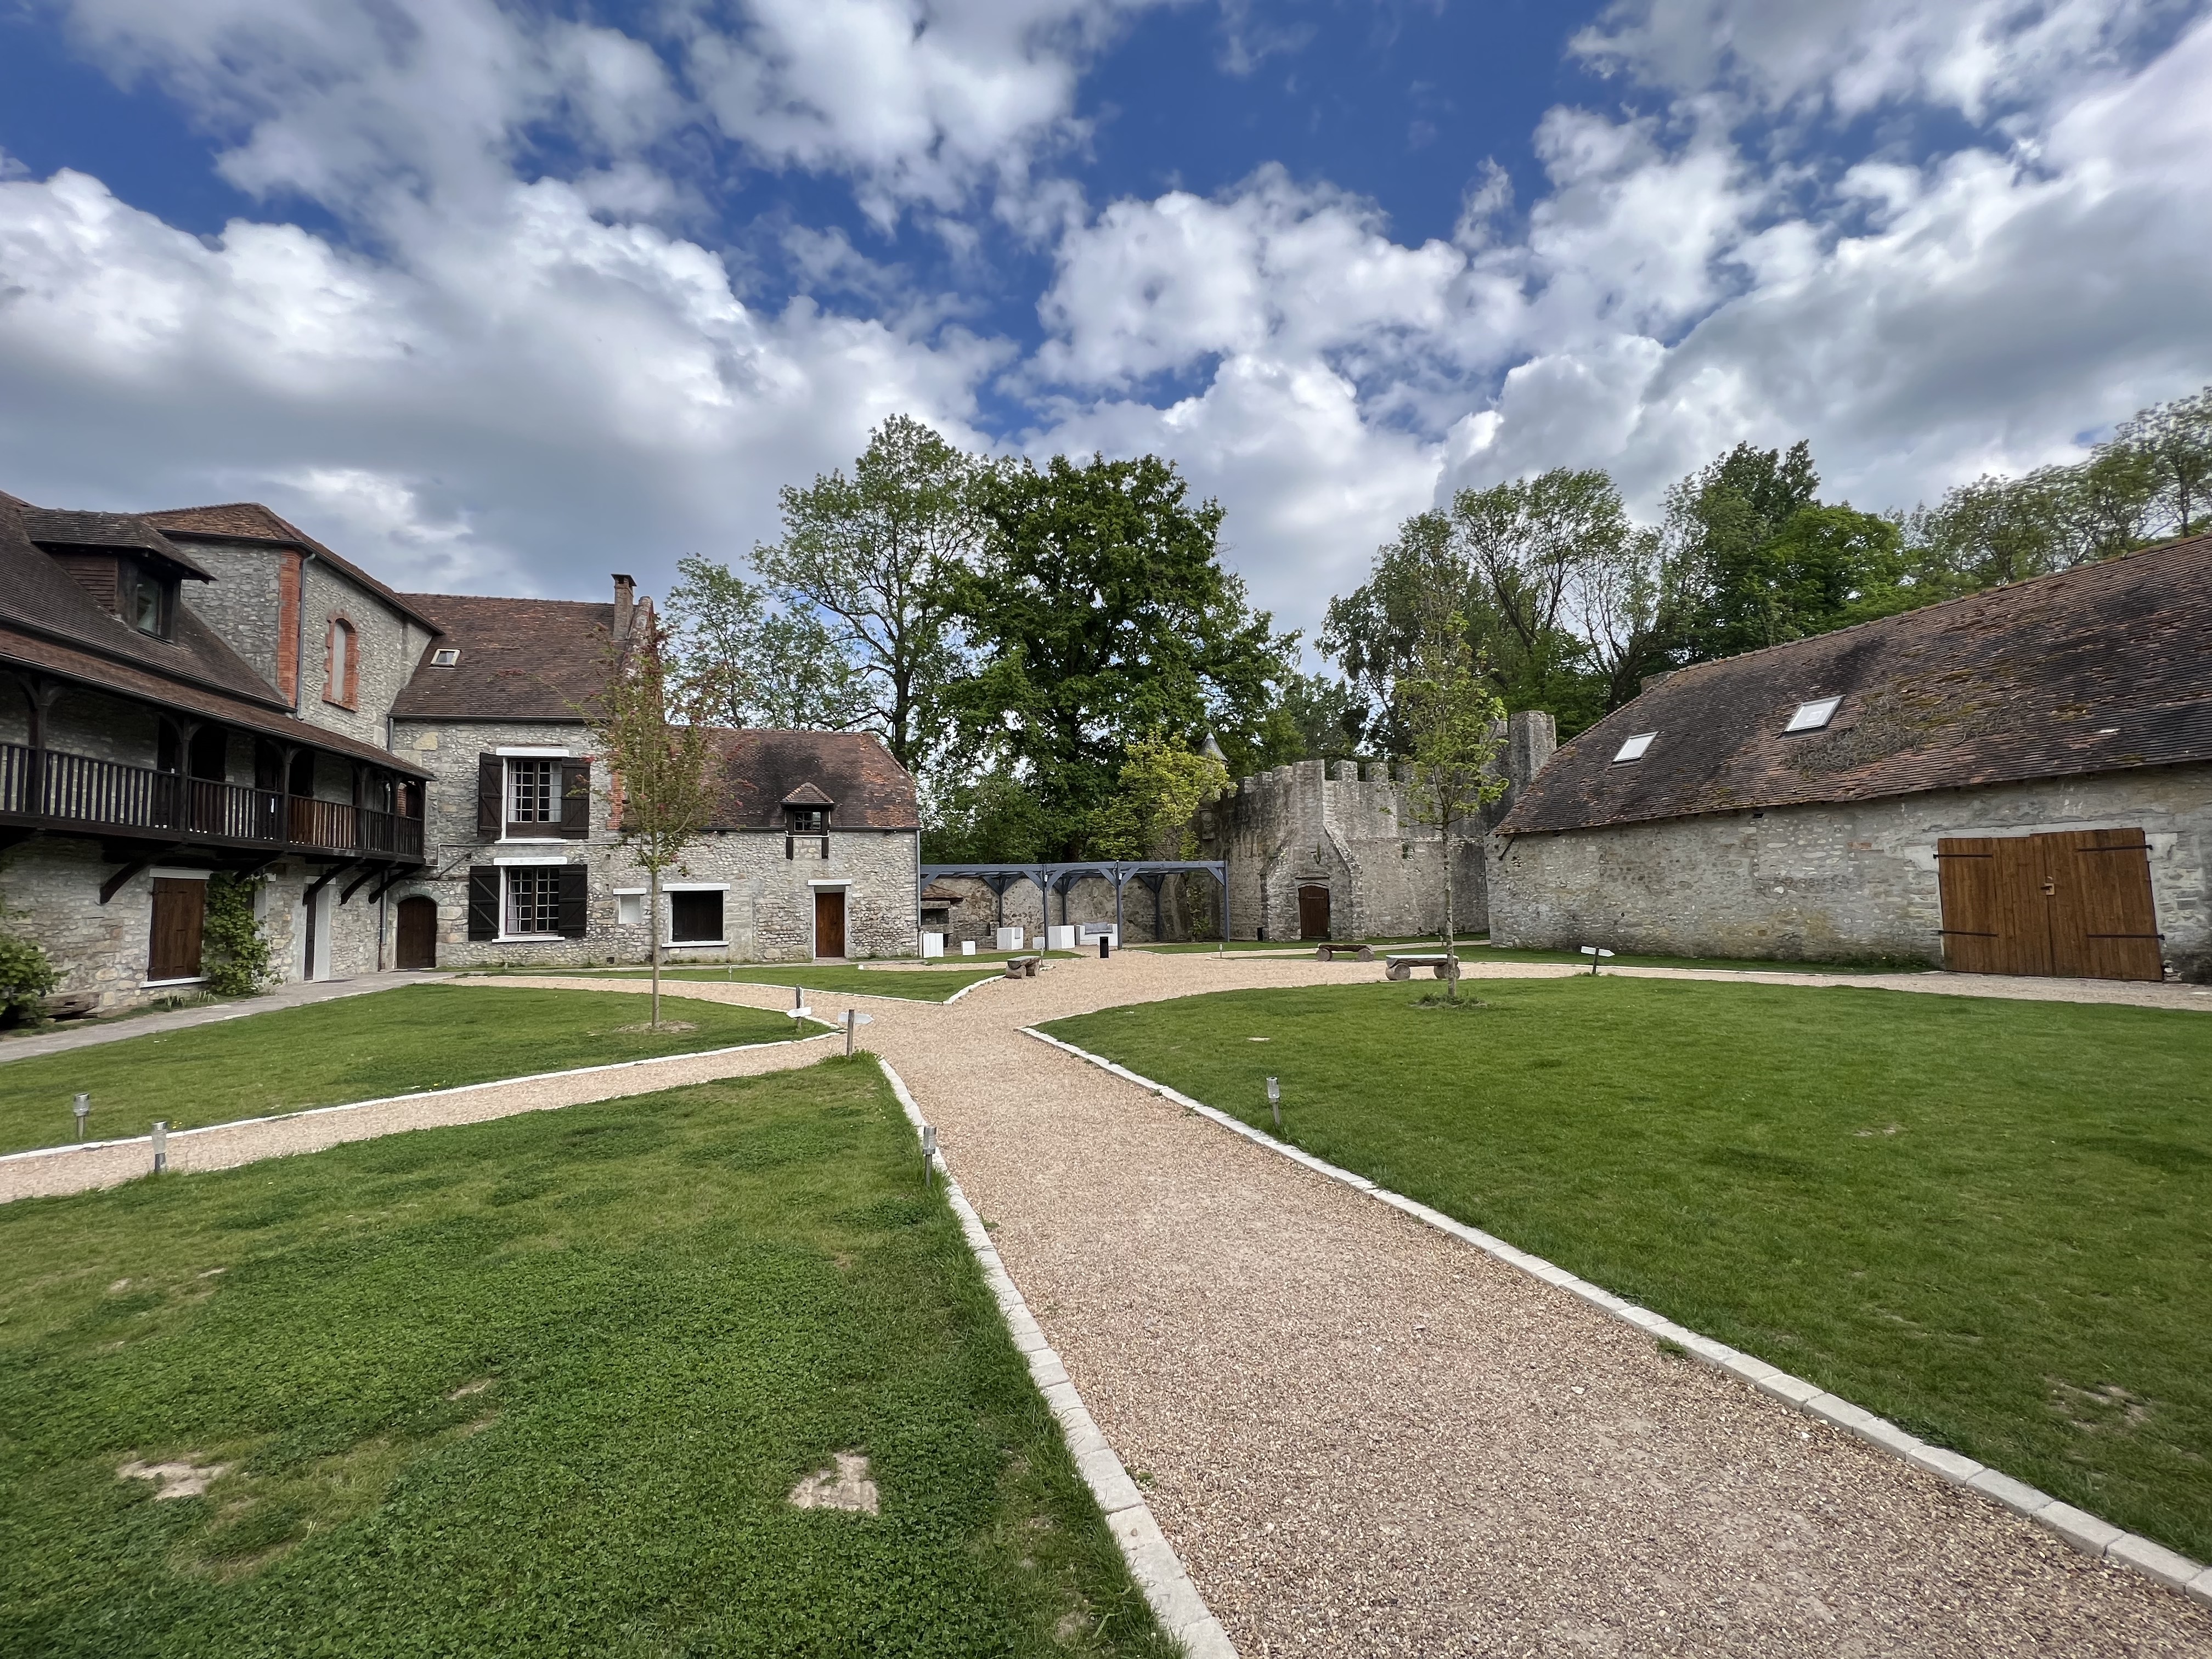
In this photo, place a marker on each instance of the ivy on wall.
(235, 952)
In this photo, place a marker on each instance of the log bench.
(1328, 952)
(1401, 967)
(1022, 967)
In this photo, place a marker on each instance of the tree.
(2176, 438)
(755, 665)
(986, 819)
(1457, 725)
(1162, 783)
(1628, 606)
(876, 554)
(1100, 613)
(1374, 633)
(653, 729)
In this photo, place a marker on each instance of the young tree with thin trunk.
(1456, 724)
(652, 726)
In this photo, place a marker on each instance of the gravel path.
(223, 1145)
(1366, 1438)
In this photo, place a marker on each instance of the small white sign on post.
(1597, 954)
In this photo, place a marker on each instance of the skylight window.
(444, 657)
(1634, 748)
(1812, 716)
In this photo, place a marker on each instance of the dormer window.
(146, 599)
(807, 820)
(445, 656)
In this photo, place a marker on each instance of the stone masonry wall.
(1836, 882)
(389, 646)
(241, 603)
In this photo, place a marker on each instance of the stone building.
(2017, 782)
(407, 777)
(1330, 850)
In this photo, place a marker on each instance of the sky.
(506, 297)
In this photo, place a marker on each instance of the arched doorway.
(418, 933)
(1313, 912)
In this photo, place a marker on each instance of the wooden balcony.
(46, 789)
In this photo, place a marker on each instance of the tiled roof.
(250, 521)
(807, 794)
(37, 596)
(2099, 669)
(520, 659)
(762, 769)
(131, 530)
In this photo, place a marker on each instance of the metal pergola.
(1051, 877)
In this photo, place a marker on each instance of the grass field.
(1990, 1221)
(392, 1043)
(539, 1386)
(1480, 950)
(919, 984)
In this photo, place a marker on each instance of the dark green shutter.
(576, 894)
(491, 795)
(483, 902)
(576, 799)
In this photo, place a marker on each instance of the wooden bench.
(1022, 967)
(72, 1005)
(1329, 952)
(1402, 967)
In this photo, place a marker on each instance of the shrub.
(26, 978)
(236, 954)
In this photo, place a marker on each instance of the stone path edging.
(397, 1100)
(2085, 1532)
(1159, 1573)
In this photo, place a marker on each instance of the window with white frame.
(630, 909)
(533, 899)
(695, 917)
(533, 794)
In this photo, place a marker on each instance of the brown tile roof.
(37, 596)
(521, 659)
(762, 769)
(250, 521)
(2093, 669)
(50, 528)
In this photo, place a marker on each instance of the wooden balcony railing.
(49, 789)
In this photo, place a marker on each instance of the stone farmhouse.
(410, 775)
(2019, 781)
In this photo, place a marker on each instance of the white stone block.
(967, 947)
(1059, 939)
(933, 945)
(1006, 938)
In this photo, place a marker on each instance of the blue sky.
(502, 297)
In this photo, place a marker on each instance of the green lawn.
(1989, 1221)
(1746, 965)
(392, 1043)
(539, 1386)
(919, 984)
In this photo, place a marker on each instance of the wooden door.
(2102, 922)
(1313, 913)
(418, 933)
(179, 910)
(829, 921)
(2075, 904)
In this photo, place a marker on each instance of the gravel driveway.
(1366, 1438)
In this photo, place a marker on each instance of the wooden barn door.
(2102, 923)
(829, 921)
(2076, 905)
(180, 913)
(1313, 912)
(418, 933)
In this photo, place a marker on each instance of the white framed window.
(445, 656)
(630, 909)
(533, 900)
(1634, 748)
(1812, 716)
(533, 792)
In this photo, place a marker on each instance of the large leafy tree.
(876, 556)
(1100, 614)
(1455, 723)
(754, 663)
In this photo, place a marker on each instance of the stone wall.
(1838, 882)
(241, 603)
(1347, 827)
(389, 646)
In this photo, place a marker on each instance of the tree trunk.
(1451, 925)
(653, 935)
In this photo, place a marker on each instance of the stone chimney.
(1530, 737)
(625, 602)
